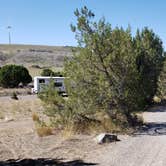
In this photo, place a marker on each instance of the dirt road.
(147, 147)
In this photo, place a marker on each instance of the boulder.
(106, 138)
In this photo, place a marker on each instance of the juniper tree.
(149, 52)
(103, 73)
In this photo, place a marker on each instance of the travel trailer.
(41, 81)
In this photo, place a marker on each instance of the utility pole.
(9, 34)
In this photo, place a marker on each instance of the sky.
(47, 22)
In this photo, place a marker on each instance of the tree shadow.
(43, 162)
(153, 129)
(157, 108)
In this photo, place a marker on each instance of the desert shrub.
(109, 72)
(150, 57)
(104, 70)
(53, 104)
(12, 75)
(161, 91)
(49, 72)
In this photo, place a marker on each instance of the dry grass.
(68, 132)
(25, 107)
(100, 123)
(34, 71)
(18, 91)
(29, 55)
(2, 115)
(44, 131)
(35, 117)
(109, 126)
(20, 108)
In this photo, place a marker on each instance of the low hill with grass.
(34, 57)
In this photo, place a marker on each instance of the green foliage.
(104, 73)
(54, 103)
(49, 72)
(161, 91)
(111, 72)
(149, 52)
(12, 75)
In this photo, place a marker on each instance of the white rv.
(41, 81)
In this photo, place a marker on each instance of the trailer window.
(58, 84)
(41, 81)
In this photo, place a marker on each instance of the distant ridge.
(30, 55)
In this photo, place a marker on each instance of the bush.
(12, 75)
(49, 72)
(149, 52)
(161, 91)
(54, 104)
(104, 71)
(111, 72)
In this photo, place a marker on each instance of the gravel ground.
(147, 147)
(144, 148)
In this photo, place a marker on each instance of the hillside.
(34, 57)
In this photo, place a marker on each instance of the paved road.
(145, 148)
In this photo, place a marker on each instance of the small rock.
(8, 119)
(106, 138)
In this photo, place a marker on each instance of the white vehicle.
(41, 81)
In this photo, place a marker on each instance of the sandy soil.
(146, 147)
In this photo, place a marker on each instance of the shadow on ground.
(157, 108)
(153, 129)
(43, 162)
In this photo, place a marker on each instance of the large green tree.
(161, 90)
(103, 72)
(12, 75)
(149, 52)
(110, 72)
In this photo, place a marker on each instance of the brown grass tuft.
(35, 117)
(44, 131)
(68, 132)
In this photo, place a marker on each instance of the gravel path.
(20, 97)
(145, 148)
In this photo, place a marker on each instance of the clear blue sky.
(47, 22)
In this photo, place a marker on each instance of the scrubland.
(19, 138)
